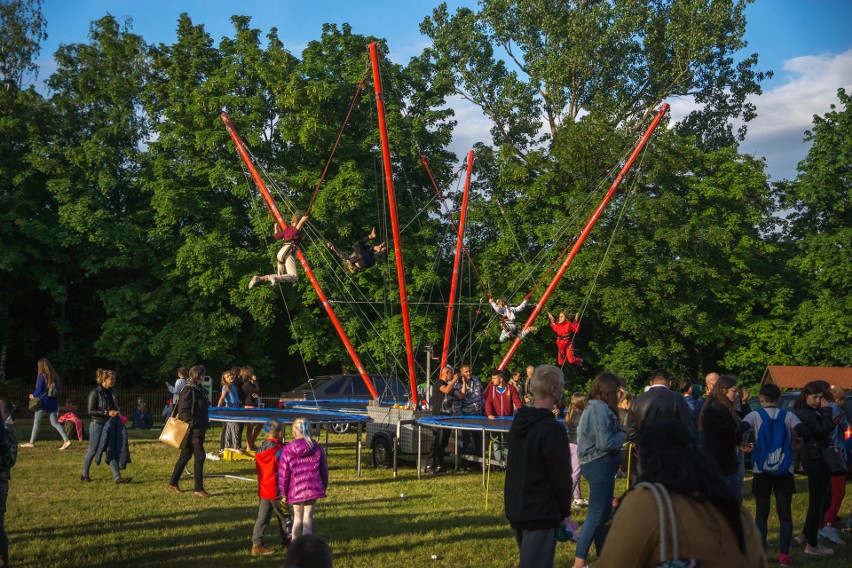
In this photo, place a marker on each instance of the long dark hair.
(669, 454)
(605, 389)
(719, 396)
(813, 387)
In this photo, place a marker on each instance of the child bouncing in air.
(507, 314)
(363, 255)
(286, 271)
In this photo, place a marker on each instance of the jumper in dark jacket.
(537, 492)
(113, 443)
(719, 427)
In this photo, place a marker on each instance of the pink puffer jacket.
(302, 471)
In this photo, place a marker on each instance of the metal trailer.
(392, 432)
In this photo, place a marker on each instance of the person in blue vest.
(767, 433)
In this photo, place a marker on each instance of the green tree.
(22, 29)
(820, 233)
(92, 158)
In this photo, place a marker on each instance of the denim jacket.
(599, 432)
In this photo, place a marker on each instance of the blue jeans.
(95, 430)
(39, 415)
(600, 474)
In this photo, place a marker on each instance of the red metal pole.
(397, 245)
(586, 230)
(273, 209)
(456, 262)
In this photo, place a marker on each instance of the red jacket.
(563, 330)
(266, 464)
(505, 404)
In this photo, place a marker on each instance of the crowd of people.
(688, 444)
(685, 503)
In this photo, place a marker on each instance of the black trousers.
(819, 497)
(442, 438)
(193, 449)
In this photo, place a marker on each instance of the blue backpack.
(773, 451)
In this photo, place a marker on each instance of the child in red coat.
(266, 463)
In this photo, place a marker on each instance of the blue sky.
(807, 43)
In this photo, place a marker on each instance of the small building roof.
(796, 377)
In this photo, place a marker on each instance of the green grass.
(55, 520)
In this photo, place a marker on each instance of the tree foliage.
(129, 227)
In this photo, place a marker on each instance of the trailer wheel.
(340, 427)
(382, 453)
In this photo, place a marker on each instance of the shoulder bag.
(34, 404)
(668, 529)
(833, 458)
(176, 431)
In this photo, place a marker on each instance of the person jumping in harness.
(286, 254)
(363, 255)
(564, 344)
(506, 315)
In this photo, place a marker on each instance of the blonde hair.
(578, 403)
(302, 429)
(46, 370)
(227, 373)
(544, 378)
(839, 395)
(104, 374)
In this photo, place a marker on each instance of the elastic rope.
(336, 142)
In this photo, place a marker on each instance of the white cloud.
(808, 87)
(473, 126)
(786, 111)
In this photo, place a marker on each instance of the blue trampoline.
(284, 415)
(497, 427)
(288, 415)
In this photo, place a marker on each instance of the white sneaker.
(579, 504)
(819, 550)
(829, 533)
(65, 445)
(26, 445)
(213, 457)
(254, 280)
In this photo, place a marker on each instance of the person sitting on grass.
(286, 267)
(142, 417)
(266, 464)
(302, 476)
(363, 255)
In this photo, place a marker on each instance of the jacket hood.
(301, 447)
(527, 417)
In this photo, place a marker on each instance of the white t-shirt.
(754, 419)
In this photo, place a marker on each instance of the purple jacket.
(302, 471)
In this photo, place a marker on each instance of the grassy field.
(55, 520)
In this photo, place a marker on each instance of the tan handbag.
(176, 431)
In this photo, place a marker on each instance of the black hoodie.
(537, 493)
